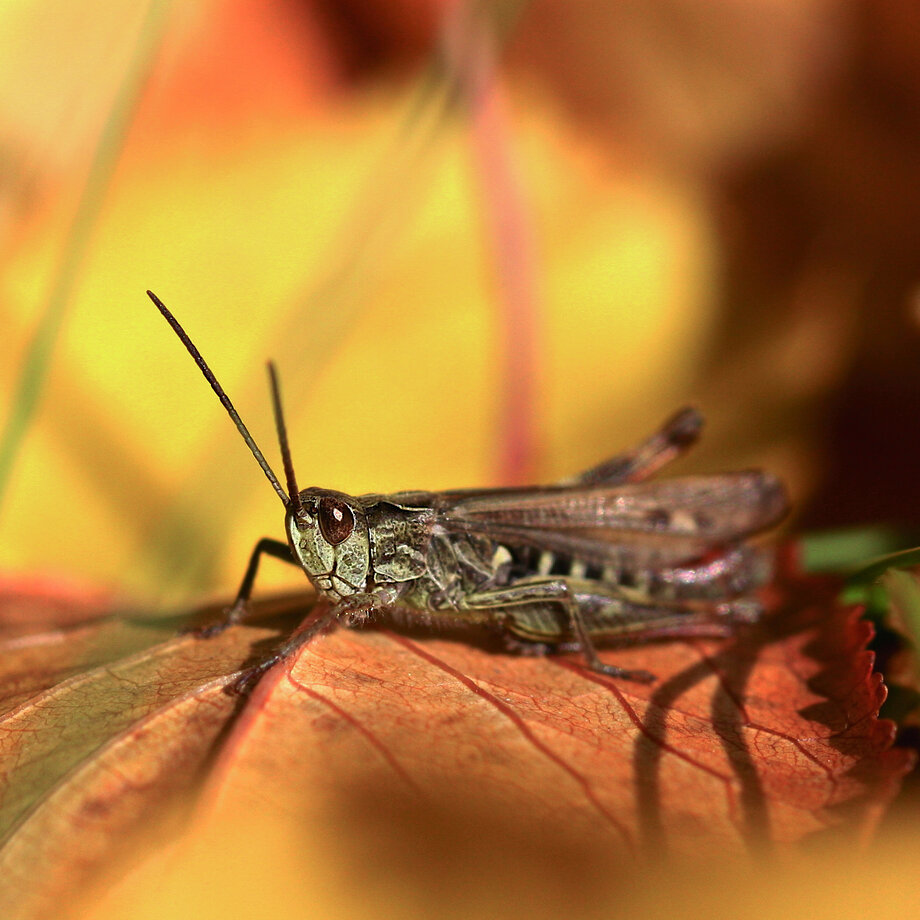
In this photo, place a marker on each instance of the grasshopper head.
(328, 533)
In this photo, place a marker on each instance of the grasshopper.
(603, 556)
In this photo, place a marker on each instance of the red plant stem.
(469, 51)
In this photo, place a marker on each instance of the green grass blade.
(876, 568)
(904, 593)
(847, 549)
(40, 350)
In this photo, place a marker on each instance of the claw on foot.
(230, 617)
(246, 682)
(207, 631)
(611, 670)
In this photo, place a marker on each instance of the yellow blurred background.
(485, 244)
(339, 223)
(331, 189)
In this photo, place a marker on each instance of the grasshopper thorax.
(328, 534)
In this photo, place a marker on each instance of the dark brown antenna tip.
(225, 400)
(294, 504)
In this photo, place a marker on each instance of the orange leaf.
(752, 743)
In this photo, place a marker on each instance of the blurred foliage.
(456, 243)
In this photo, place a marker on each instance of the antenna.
(294, 503)
(294, 498)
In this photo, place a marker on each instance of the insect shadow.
(805, 608)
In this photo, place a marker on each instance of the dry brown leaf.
(755, 743)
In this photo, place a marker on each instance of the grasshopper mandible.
(604, 556)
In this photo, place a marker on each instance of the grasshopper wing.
(665, 522)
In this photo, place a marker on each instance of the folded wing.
(662, 522)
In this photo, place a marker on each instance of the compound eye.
(336, 520)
